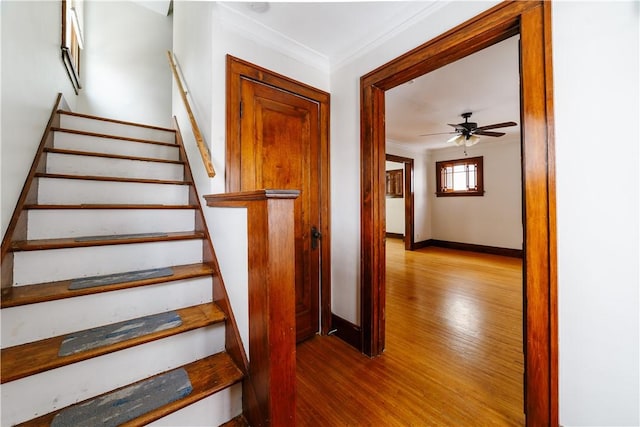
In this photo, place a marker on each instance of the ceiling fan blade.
(497, 125)
(439, 133)
(488, 133)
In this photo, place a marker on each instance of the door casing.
(532, 20)
(237, 70)
(409, 219)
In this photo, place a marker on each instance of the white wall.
(32, 76)
(201, 41)
(345, 148)
(204, 34)
(595, 49)
(494, 219)
(124, 67)
(394, 206)
(595, 53)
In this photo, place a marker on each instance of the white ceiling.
(335, 31)
(486, 83)
(331, 33)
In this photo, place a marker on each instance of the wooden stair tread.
(114, 206)
(110, 178)
(122, 122)
(109, 155)
(109, 136)
(45, 244)
(39, 356)
(207, 376)
(42, 292)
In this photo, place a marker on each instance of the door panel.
(280, 144)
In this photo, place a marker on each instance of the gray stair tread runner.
(118, 332)
(128, 403)
(118, 236)
(110, 279)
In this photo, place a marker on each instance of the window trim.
(70, 48)
(479, 191)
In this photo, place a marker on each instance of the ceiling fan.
(467, 133)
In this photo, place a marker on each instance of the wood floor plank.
(41, 292)
(453, 353)
(239, 421)
(207, 376)
(39, 356)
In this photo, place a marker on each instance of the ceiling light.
(458, 139)
(466, 140)
(258, 7)
(472, 140)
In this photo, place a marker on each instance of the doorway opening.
(405, 209)
(533, 22)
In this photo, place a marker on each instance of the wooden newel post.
(269, 391)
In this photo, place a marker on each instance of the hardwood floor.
(453, 353)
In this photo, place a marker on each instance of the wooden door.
(280, 149)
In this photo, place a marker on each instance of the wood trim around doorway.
(409, 219)
(238, 69)
(532, 20)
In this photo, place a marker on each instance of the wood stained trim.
(532, 20)
(233, 341)
(17, 228)
(494, 250)
(269, 389)
(394, 236)
(409, 216)
(347, 331)
(238, 69)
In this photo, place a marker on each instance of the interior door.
(280, 149)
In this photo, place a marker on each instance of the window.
(462, 177)
(72, 39)
(395, 183)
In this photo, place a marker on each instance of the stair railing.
(202, 146)
(269, 389)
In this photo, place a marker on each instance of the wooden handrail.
(204, 150)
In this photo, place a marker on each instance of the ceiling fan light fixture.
(458, 139)
(472, 140)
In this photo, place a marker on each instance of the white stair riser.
(102, 166)
(212, 411)
(58, 223)
(81, 191)
(94, 144)
(110, 128)
(64, 386)
(31, 267)
(59, 317)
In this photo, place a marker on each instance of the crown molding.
(357, 50)
(256, 31)
(266, 36)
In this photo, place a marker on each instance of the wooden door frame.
(238, 69)
(532, 20)
(409, 219)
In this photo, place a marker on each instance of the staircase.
(108, 312)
